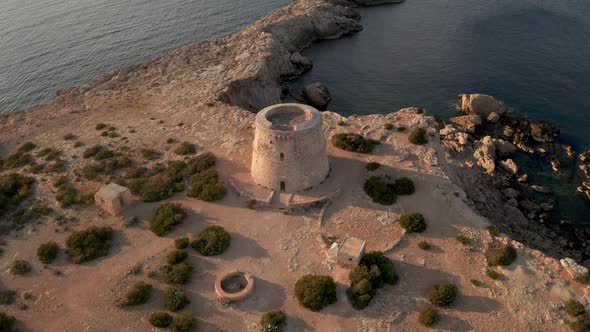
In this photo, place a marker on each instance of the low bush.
(372, 166)
(403, 186)
(27, 147)
(500, 254)
(492, 274)
(67, 196)
(183, 322)
(574, 308)
(374, 271)
(104, 154)
(101, 126)
(581, 324)
(379, 190)
(20, 267)
(166, 217)
(402, 128)
(388, 126)
(7, 322)
(160, 319)
(206, 186)
(385, 265)
(211, 241)
(156, 187)
(476, 283)
(69, 136)
(413, 222)
(150, 154)
(273, 321)
(177, 256)
(493, 231)
(354, 142)
(443, 295)
(200, 163)
(428, 317)
(139, 293)
(43, 152)
(185, 148)
(583, 279)
(47, 252)
(424, 245)
(315, 292)
(419, 111)
(92, 151)
(89, 244)
(14, 188)
(175, 299)
(463, 239)
(177, 274)
(181, 243)
(418, 136)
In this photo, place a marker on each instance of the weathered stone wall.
(295, 157)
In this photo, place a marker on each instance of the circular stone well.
(234, 286)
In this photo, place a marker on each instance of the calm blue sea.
(47, 45)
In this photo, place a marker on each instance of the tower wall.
(290, 153)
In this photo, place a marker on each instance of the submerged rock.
(544, 131)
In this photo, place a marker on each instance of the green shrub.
(385, 265)
(574, 308)
(17, 159)
(500, 255)
(92, 151)
(492, 274)
(419, 111)
(43, 152)
(428, 317)
(177, 274)
(315, 292)
(463, 239)
(69, 136)
(60, 181)
(418, 136)
(185, 148)
(211, 241)
(92, 243)
(181, 243)
(354, 142)
(170, 140)
(493, 231)
(47, 252)
(581, 324)
(379, 190)
(7, 322)
(476, 283)
(206, 186)
(139, 293)
(150, 154)
(412, 222)
(20, 267)
(100, 126)
(14, 188)
(26, 147)
(273, 321)
(176, 257)
(160, 319)
(424, 245)
(388, 126)
(200, 163)
(372, 166)
(53, 155)
(361, 290)
(104, 154)
(67, 196)
(402, 128)
(175, 299)
(403, 186)
(443, 295)
(166, 217)
(156, 187)
(183, 323)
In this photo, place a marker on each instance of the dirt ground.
(279, 248)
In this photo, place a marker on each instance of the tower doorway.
(282, 185)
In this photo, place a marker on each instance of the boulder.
(541, 189)
(510, 166)
(574, 269)
(510, 192)
(447, 130)
(462, 138)
(302, 63)
(485, 154)
(317, 95)
(468, 122)
(523, 178)
(546, 206)
(504, 148)
(513, 202)
(493, 117)
(479, 104)
(544, 131)
(530, 206)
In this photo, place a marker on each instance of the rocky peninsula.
(150, 119)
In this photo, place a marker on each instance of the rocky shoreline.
(245, 72)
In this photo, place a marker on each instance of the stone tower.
(289, 149)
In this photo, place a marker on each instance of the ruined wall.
(295, 157)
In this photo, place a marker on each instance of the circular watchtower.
(289, 148)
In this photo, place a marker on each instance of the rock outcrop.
(317, 95)
(480, 104)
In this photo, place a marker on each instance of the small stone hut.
(112, 198)
(350, 252)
